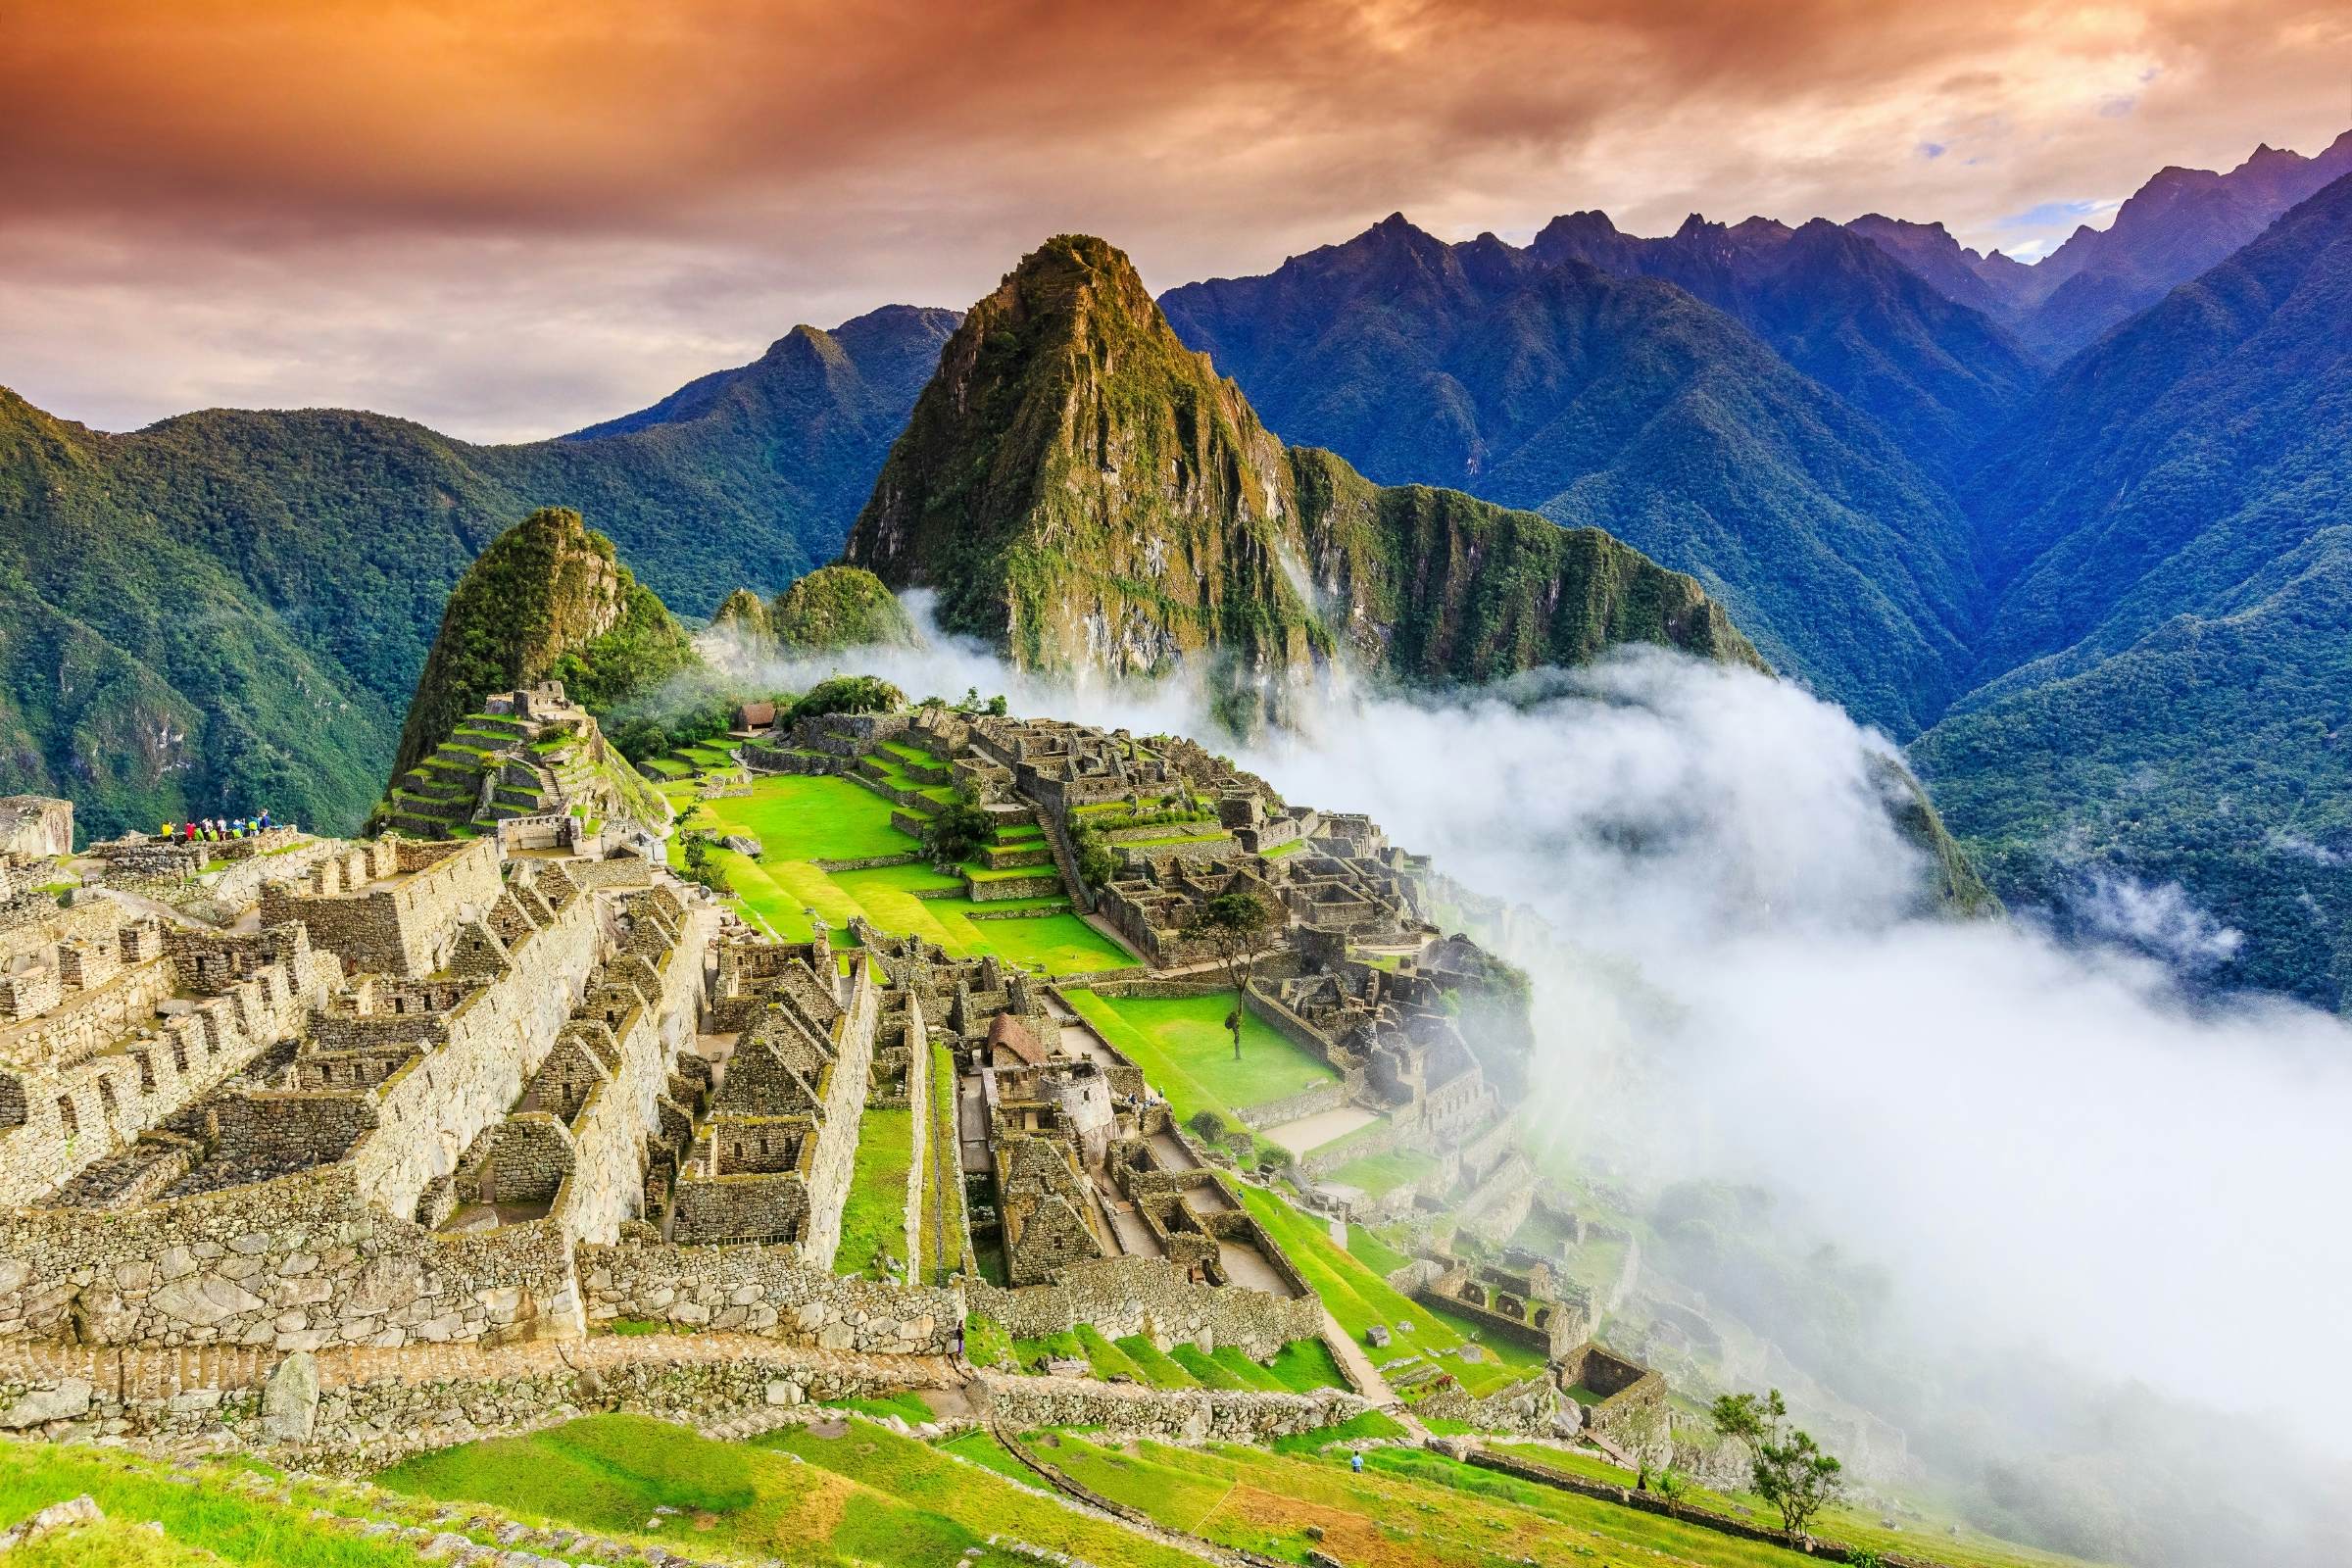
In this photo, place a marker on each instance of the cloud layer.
(513, 220)
(2053, 1148)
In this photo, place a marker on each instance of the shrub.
(956, 832)
(1097, 866)
(1208, 1124)
(848, 694)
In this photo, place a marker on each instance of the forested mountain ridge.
(1623, 403)
(2167, 527)
(231, 607)
(2124, 569)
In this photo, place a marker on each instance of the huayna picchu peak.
(1083, 491)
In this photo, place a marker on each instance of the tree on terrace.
(1233, 926)
(1788, 1468)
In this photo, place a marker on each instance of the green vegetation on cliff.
(1081, 489)
(834, 607)
(547, 601)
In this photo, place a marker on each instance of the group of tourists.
(213, 829)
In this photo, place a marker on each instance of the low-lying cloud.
(2054, 1147)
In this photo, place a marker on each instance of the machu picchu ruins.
(875, 1047)
(511, 1073)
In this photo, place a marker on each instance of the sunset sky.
(510, 219)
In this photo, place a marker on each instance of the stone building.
(772, 1159)
(1524, 1304)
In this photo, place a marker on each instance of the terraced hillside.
(846, 847)
(498, 766)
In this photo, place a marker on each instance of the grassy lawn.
(1410, 1507)
(981, 1448)
(814, 819)
(1371, 1424)
(206, 1523)
(1373, 1252)
(875, 1212)
(1380, 1174)
(1182, 1046)
(1927, 1537)
(866, 1496)
(1159, 1368)
(1358, 1297)
(932, 1508)
(800, 821)
(909, 1406)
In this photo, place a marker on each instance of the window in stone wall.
(180, 1053)
(67, 1115)
(106, 1099)
(146, 1072)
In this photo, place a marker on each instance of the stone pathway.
(1367, 1379)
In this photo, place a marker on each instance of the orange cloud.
(437, 206)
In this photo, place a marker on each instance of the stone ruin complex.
(534, 769)
(500, 1085)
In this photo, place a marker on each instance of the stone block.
(69, 1399)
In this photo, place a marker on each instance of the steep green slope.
(2166, 670)
(140, 674)
(1538, 380)
(837, 607)
(548, 599)
(1085, 492)
(239, 603)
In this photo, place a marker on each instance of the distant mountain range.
(230, 609)
(2098, 600)
(2178, 224)
(2068, 530)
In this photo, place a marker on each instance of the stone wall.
(359, 1410)
(717, 1209)
(623, 1115)
(219, 894)
(770, 1292)
(919, 1101)
(1527, 1408)
(833, 1163)
(432, 1110)
(67, 1117)
(1330, 1096)
(1150, 1296)
(295, 1263)
(1175, 1415)
(405, 928)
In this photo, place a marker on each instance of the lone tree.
(1234, 926)
(1788, 1468)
